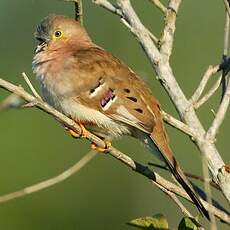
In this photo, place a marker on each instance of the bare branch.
(226, 33)
(159, 5)
(177, 124)
(52, 181)
(167, 38)
(208, 192)
(12, 101)
(78, 10)
(115, 10)
(220, 115)
(161, 65)
(33, 90)
(176, 200)
(206, 97)
(211, 70)
(227, 7)
(155, 178)
(190, 175)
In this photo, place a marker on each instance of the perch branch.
(135, 166)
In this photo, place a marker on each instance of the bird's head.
(57, 31)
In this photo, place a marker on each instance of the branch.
(208, 192)
(227, 7)
(12, 101)
(176, 200)
(52, 181)
(220, 115)
(78, 10)
(190, 175)
(159, 5)
(206, 97)
(135, 166)
(167, 38)
(161, 65)
(211, 70)
(178, 124)
(115, 10)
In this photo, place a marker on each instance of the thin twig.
(190, 175)
(167, 37)
(183, 209)
(208, 192)
(206, 97)
(78, 10)
(33, 90)
(211, 70)
(221, 113)
(145, 171)
(227, 7)
(226, 34)
(177, 124)
(224, 79)
(115, 10)
(159, 5)
(52, 181)
(12, 101)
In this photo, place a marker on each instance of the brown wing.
(106, 84)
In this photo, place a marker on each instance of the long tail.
(166, 155)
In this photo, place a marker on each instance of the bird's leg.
(101, 150)
(84, 132)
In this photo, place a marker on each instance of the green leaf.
(157, 222)
(187, 224)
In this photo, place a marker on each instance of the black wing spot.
(100, 82)
(139, 110)
(132, 99)
(127, 90)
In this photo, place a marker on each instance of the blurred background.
(33, 146)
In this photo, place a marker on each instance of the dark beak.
(43, 42)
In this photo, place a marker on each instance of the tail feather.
(175, 169)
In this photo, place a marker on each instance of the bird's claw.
(73, 133)
(100, 149)
(84, 132)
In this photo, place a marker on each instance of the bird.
(100, 92)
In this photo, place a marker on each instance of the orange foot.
(84, 132)
(101, 150)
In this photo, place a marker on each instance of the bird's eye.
(57, 33)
